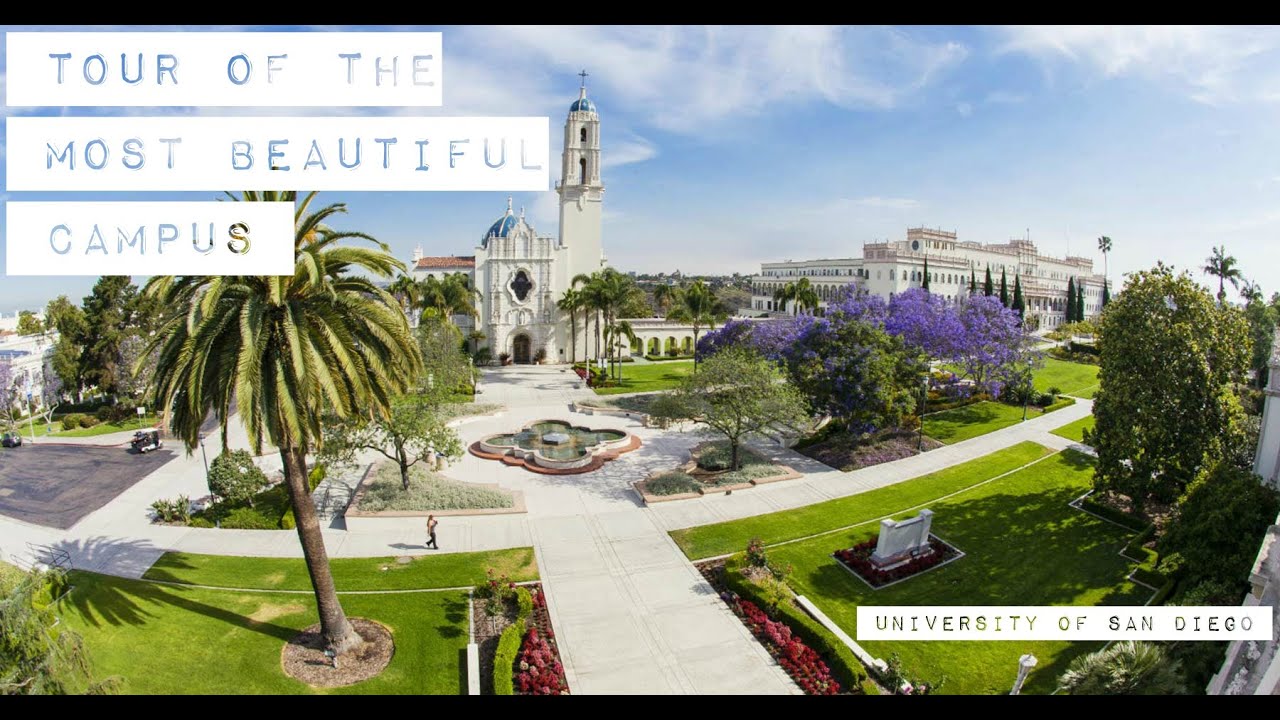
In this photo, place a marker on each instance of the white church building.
(520, 273)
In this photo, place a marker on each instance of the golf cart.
(11, 440)
(146, 440)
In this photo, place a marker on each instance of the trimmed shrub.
(88, 421)
(846, 668)
(673, 482)
(103, 414)
(200, 522)
(504, 659)
(235, 478)
(247, 518)
(747, 473)
(427, 491)
(524, 604)
(72, 421)
(1059, 404)
(286, 521)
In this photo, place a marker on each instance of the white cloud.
(1003, 97)
(627, 152)
(965, 109)
(1210, 64)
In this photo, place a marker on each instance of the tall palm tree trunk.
(337, 631)
(573, 336)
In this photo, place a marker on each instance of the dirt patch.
(303, 657)
(274, 579)
(268, 612)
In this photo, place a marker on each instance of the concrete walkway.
(632, 614)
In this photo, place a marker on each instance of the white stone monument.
(902, 540)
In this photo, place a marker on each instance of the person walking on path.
(431, 532)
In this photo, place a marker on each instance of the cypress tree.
(1080, 302)
(1071, 300)
(988, 288)
(1017, 295)
(973, 283)
(1004, 289)
(1106, 294)
(925, 283)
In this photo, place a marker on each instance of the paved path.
(632, 613)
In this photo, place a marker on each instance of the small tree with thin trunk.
(414, 432)
(737, 393)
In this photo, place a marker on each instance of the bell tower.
(580, 188)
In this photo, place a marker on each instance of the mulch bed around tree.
(848, 453)
(1159, 513)
(488, 629)
(303, 657)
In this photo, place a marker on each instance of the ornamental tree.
(1165, 408)
(993, 351)
(736, 393)
(1004, 288)
(29, 324)
(988, 288)
(733, 332)
(234, 477)
(926, 322)
(1071, 300)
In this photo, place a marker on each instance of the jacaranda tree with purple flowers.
(927, 322)
(993, 351)
(733, 332)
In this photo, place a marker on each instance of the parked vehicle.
(11, 440)
(147, 440)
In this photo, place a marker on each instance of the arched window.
(582, 168)
(584, 134)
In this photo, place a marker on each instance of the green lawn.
(174, 640)
(732, 536)
(1075, 430)
(970, 421)
(1023, 545)
(100, 429)
(1071, 378)
(643, 378)
(425, 571)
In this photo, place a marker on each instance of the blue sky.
(726, 147)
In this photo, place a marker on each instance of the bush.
(672, 482)
(1133, 522)
(249, 518)
(504, 659)
(88, 421)
(316, 476)
(427, 491)
(72, 421)
(286, 521)
(235, 478)
(103, 414)
(524, 604)
(1059, 404)
(717, 456)
(845, 666)
(200, 522)
(177, 510)
(747, 473)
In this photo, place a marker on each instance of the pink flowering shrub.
(799, 660)
(540, 672)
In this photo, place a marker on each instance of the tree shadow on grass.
(104, 600)
(455, 613)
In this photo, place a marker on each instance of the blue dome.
(502, 227)
(582, 105)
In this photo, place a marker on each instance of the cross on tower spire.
(583, 75)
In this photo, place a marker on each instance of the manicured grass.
(173, 640)
(728, 537)
(105, 428)
(1071, 378)
(425, 571)
(1075, 430)
(1023, 545)
(970, 421)
(643, 378)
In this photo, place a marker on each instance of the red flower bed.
(540, 670)
(799, 660)
(858, 559)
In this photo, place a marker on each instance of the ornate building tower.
(580, 188)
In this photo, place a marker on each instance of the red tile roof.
(448, 261)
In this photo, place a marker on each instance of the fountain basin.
(556, 445)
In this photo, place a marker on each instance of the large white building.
(520, 273)
(23, 358)
(889, 267)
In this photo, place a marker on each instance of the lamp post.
(206, 466)
(1025, 663)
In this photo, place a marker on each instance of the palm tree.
(1104, 245)
(801, 292)
(591, 304)
(1125, 668)
(665, 296)
(615, 334)
(570, 302)
(405, 288)
(1224, 267)
(285, 349)
(1251, 291)
(698, 307)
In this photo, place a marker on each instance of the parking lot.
(56, 486)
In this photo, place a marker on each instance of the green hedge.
(504, 658)
(1135, 524)
(1060, 403)
(664, 358)
(846, 668)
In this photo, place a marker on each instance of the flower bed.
(799, 660)
(538, 670)
(857, 560)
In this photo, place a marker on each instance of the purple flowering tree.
(926, 322)
(733, 332)
(994, 351)
(855, 304)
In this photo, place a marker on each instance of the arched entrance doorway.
(520, 349)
